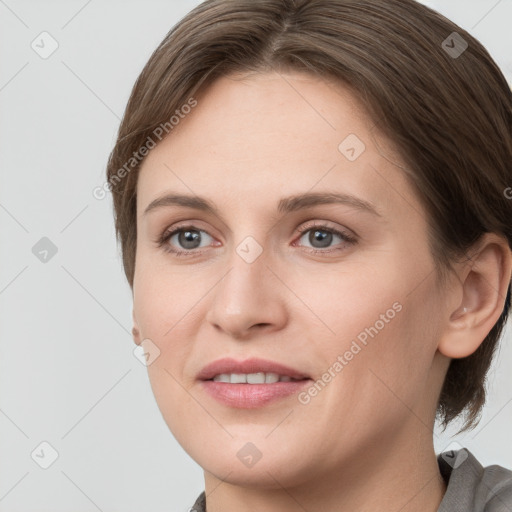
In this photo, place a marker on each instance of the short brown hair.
(448, 111)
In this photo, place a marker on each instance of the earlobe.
(484, 279)
(135, 330)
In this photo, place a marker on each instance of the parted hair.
(430, 86)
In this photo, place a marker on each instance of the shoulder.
(472, 487)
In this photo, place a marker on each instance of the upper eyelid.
(324, 224)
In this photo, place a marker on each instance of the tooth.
(270, 378)
(251, 378)
(256, 378)
(223, 377)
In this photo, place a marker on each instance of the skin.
(365, 441)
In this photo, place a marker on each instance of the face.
(313, 256)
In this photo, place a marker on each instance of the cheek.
(356, 301)
(164, 297)
(379, 326)
(165, 312)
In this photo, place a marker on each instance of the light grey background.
(68, 375)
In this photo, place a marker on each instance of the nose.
(249, 299)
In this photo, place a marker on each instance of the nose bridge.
(247, 294)
(246, 281)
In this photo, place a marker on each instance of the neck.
(390, 477)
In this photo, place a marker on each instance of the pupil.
(322, 236)
(187, 239)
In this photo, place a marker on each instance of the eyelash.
(167, 235)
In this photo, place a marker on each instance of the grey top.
(470, 486)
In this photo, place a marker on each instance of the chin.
(240, 462)
(263, 475)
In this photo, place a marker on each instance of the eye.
(187, 237)
(322, 236)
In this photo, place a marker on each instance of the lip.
(253, 365)
(250, 396)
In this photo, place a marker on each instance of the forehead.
(251, 138)
(265, 111)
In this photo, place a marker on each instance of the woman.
(311, 199)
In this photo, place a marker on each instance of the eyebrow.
(285, 205)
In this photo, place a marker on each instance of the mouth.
(251, 383)
(250, 371)
(253, 378)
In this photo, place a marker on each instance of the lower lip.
(251, 396)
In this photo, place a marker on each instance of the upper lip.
(253, 365)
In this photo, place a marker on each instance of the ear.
(478, 298)
(135, 330)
